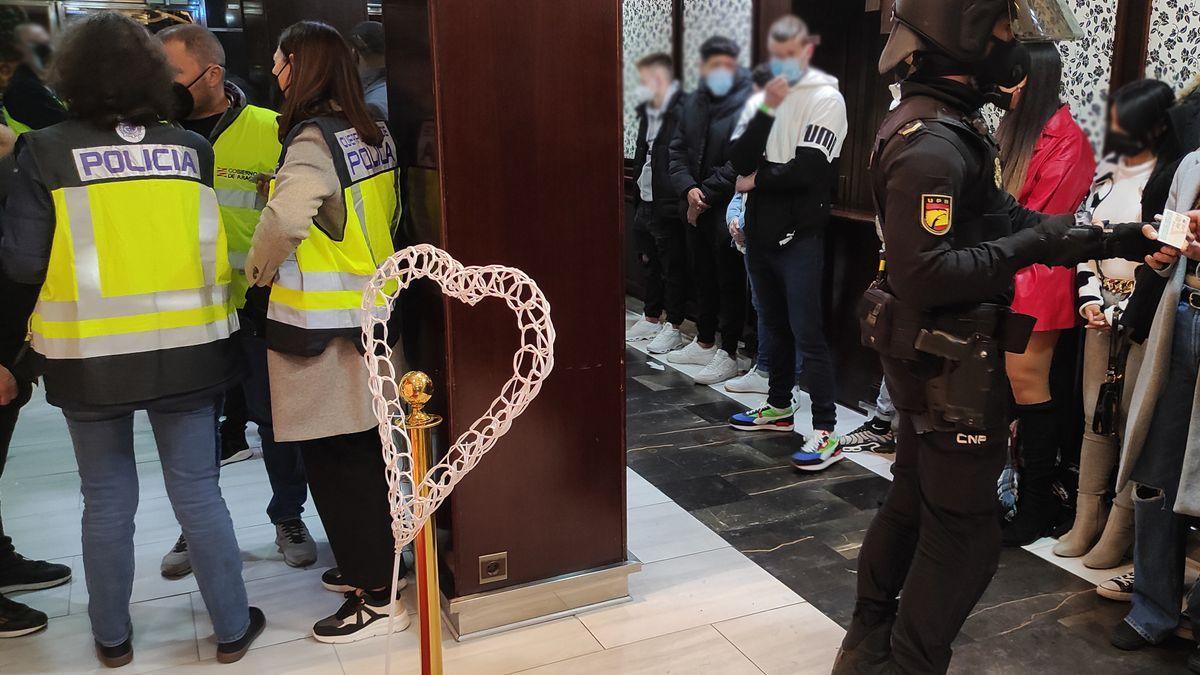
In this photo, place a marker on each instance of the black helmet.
(962, 29)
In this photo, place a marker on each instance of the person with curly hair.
(114, 218)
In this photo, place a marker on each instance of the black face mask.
(44, 52)
(1002, 71)
(185, 103)
(1125, 145)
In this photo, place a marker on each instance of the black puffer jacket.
(701, 146)
(666, 199)
(1183, 137)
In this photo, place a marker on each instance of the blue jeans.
(285, 468)
(1160, 533)
(762, 360)
(788, 282)
(186, 441)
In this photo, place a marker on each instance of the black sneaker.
(229, 652)
(22, 574)
(17, 619)
(1193, 662)
(1125, 638)
(1119, 588)
(234, 447)
(359, 618)
(115, 657)
(333, 580)
(875, 435)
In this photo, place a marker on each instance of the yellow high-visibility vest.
(247, 148)
(318, 292)
(139, 261)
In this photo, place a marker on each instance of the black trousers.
(719, 273)
(8, 422)
(936, 537)
(345, 476)
(662, 249)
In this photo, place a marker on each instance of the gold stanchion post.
(415, 388)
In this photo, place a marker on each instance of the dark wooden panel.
(528, 100)
(765, 13)
(1130, 42)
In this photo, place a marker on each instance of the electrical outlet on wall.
(493, 567)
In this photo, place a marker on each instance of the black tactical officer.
(940, 319)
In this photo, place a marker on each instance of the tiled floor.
(748, 567)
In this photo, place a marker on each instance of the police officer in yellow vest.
(324, 232)
(114, 217)
(245, 140)
(28, 103)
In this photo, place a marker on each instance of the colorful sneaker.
(693, 355)
(722, 367)
(875, 435)
(668, 340)
(361, 617)
(819, 453)
(642, 330)
(766, 418)
(754, 382)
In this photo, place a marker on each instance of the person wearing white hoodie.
(791, 146)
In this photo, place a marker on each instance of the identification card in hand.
(1173, 230)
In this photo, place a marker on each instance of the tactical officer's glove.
(1070, 240)
(1126, 240)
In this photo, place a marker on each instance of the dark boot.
(866, 650)
(1039, 509)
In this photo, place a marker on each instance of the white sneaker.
(693, 354)
(721, 368)
(668, 340)
(642, 330)
(753, 382)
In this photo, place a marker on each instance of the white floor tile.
(698, 650)
(494, 655)
(639, 492)
(164, 636)
(790, 640)
(298, 657)
(686, 592)
(666, 530)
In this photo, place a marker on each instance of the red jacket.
(1061, 169)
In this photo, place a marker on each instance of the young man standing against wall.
(791, 146)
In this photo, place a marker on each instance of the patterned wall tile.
(1174, 48)
(704, 18)
(646, 28)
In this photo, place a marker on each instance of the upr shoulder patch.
(937, 214)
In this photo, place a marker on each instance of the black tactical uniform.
(940, 320)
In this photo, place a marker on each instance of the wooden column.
(1130, 42)
(765, 14)
(512, 110)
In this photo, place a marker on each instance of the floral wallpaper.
(646, 28)
(1173, 54)
(704, 18)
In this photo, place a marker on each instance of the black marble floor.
(806, 529)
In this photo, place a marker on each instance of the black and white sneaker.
(359, 618)
(1119, 588)
(333, 581)
(875, 435)
(234, 447)
(23, 574)
(17, 619)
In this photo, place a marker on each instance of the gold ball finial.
(416, 389)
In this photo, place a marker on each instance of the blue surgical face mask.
(789, 68)
(719, 81)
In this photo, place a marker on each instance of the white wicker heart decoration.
(531, 364)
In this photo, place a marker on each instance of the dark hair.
(719, 45)
(10, 19)
(661, 59)
(323, 72)
(197, 41)
(1021, 128)
(1141, 110)
(109, 69)
(368, 38)
(762, 74)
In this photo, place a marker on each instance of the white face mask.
(643, 94)
(895, 89)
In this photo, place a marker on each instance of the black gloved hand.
(1126, 240)
(1064, 242)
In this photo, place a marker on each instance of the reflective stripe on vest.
(248, 147)
(17, 127)
(135, 266)
(320, 288)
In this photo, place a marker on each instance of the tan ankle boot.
(1090, 516)
(1114, 544)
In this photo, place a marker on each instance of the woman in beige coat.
(319, 394)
